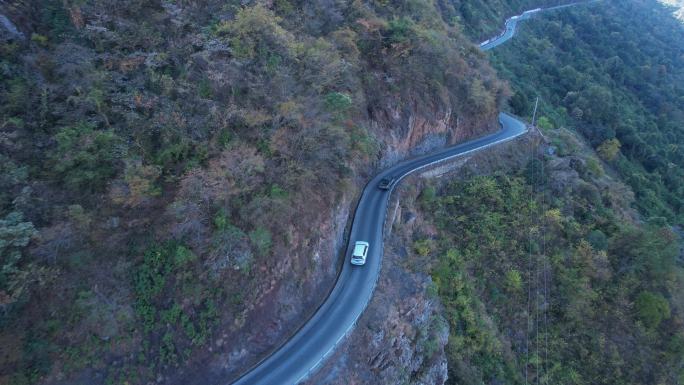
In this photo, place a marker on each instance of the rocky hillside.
(177, 175)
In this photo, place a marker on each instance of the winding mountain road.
(305, 351)
(317, 339)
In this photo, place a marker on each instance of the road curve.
(302, 354)
(512, 23)
(307, 349)
(509, 31)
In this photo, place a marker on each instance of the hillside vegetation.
(571, 271)
(176, 175)
(613, 71)
(545, 277)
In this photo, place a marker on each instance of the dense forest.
(570, 271)
(546, 278)
(615, 73)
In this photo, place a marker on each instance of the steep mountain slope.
(547, 276)
(177, 175)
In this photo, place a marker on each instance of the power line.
(545, 267)
(534, 114)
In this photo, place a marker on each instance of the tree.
(609, 149)
(520, 104)
(138, 185)
(652, 308)
(85, 158)
(513, 280)
(256, 34)
(15, 235)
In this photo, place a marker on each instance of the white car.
(360, 252)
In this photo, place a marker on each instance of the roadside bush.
(423, 247)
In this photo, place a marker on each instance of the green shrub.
(16, 98)
(652, 309)
(53, 15)
(173, 153)
(224, 138)
(171, 315)
(261, 238)
(39, 39)
(205, 90)
(422, 247)
(609, 149)
(428, 196)
(15, 276)
(278, 192)
(544, 123)
(598, 240)
(85, 158)
(594, 167)
(182, 255)
(513, 280)
(399, 31)
(165, 276)
(338, 102)
(11, 176)
(221, 221)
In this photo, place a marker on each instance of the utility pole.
(534, 115)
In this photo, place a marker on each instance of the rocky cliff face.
(409, 131)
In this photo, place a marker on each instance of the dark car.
(386, 183)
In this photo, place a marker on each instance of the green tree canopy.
(15, 235)
(85, 158)
(652, 309)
